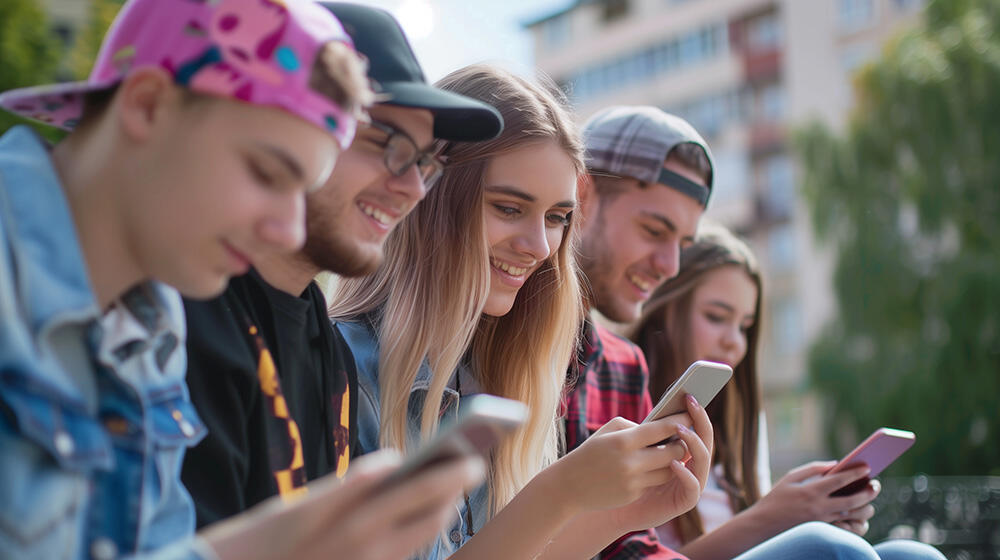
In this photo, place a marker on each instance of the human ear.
(146, 99)
(587, 198)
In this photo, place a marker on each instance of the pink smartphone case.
(878, 451)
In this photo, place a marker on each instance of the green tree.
(88, 42)
(909, 195)
(29, 51)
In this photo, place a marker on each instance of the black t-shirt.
(276, 386)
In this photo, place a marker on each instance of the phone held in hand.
(482, 422)
(877, 451)
(703, 379)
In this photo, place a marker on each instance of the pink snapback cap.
(257, 51)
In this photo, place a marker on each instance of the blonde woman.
(479, 293)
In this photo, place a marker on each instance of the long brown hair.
(663, 333)
(429, 293)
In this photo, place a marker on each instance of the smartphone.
(878, 451)
(703, 379)
(482, 422)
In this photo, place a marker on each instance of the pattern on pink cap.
(257, 51)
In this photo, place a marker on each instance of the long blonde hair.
(428, 295)
(664, 334)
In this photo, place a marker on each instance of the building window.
(788, 335)
(556, 32)
(710, 114)
(731, 170)
(779, 184)
(764, 32)
(907, 5)
(668, 55)
(770, 105)
(781, 248)
(614, 9)
(652, 61)
(854, 15)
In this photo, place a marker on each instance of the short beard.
(332, 253)
(595, 287)
(593, 258)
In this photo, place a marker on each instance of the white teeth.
(379, 215)
(642, 284)
(509, 269)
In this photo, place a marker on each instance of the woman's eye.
(712, 318)
(506, 210)
(559, 219)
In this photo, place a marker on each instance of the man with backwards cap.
(274, 382)
(649, 176)
(191, 147)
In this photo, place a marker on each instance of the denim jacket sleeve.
(90, 454)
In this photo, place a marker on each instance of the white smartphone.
(878, 451)
(703, 379)
(482, 422)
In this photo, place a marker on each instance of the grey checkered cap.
(634, 141)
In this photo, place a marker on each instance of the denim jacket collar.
(149, 314)
(421, 382)
(47, 259)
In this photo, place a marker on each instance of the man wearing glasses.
(273, 382)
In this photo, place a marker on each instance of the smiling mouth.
(640, 283)
(376, 214)
(240, 260)
(508, 268)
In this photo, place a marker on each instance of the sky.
(449, 34)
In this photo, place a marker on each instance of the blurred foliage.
(29, 51)
(32, 54)
(909, 195)
(88, 41)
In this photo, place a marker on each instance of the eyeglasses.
(401, 152)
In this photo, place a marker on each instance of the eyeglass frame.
(418, 154)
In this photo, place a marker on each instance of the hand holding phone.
(877, 451)
(703, 379)
(482, 422)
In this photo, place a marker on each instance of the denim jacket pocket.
(50, 449)
(175, 423)
(174, 426)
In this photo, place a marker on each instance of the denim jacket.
(360, 337)
(94, 412)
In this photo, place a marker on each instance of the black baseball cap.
(398, 79)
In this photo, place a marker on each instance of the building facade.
(745, 73)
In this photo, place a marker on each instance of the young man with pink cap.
(192, 146)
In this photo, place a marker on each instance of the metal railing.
(958, 515)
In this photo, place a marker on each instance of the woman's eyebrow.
(527, 197)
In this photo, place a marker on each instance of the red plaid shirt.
(611, 379)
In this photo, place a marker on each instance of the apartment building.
(745, 73)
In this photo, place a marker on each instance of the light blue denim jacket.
(92, 430)
(361, 339)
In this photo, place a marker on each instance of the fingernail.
(693, 400)
(682, 429)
